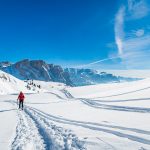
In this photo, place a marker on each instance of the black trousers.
(20, 104)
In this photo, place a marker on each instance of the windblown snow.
(57, 117)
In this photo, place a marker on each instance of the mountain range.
(40, 70)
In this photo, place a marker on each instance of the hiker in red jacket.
(21, 98)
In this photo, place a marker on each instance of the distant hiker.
(21, 98)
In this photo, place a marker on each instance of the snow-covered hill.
(10, 84)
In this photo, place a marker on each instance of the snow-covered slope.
(110, 90)
(99, 117)
(10, 84)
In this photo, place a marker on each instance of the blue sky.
(97, 34)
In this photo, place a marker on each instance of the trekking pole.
(17, 101)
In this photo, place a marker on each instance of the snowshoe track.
(27, 134)
(59, 138)
(38, 133)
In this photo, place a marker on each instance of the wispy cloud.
(119, 31)
(137, 9)
(97, 62)
(139, 32)
(119, 36)
(138, 50)
(133, 46)
(136, 45)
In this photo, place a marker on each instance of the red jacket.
(21, 96)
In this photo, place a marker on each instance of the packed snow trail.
(27, 134)
(38, 133)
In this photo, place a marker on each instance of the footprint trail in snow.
(38, 133)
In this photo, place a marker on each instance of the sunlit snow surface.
(99, 117)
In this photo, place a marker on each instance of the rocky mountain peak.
(40, 70)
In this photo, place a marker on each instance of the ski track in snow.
(115, 130)
(67, 93)
(124, 93)
(35, 132)
(96, 104)
(107, 144)
(124, 100)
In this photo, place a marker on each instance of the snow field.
(108, 117)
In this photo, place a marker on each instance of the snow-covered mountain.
(40, 70)
(82, 77)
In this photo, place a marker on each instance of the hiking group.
(21, 98)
